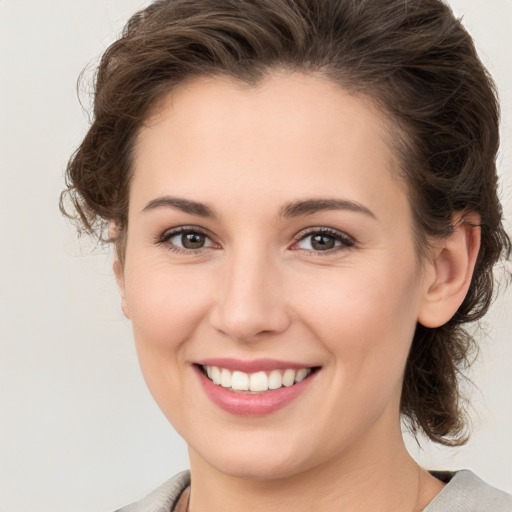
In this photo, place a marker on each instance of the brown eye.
(324, 240)
(186, 239)
(193, 240)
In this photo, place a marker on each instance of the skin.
(260, 289)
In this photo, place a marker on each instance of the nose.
(250, 304)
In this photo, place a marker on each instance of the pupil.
(322, 242)
(192, 240)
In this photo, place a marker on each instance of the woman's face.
(270, 237)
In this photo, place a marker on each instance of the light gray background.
(78, 429)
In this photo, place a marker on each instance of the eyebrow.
(185, 205)
(293, 209)
(310, 206)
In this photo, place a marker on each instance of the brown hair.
(412, 57)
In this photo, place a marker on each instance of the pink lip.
(256, 365)
(247, 404)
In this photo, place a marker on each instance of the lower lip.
(252, 404)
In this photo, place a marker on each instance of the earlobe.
(451, 271)
(118, 269)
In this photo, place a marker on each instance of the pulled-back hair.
(413, 58)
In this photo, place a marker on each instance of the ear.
(119, 273)
(450, 270)
(118, 269)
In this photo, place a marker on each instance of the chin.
(263, 470)
(258, 463)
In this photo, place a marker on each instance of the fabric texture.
(163, 498)
(464, 492)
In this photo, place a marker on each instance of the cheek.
(164, 303)
(374, 299)
(366, 319)
(165, 308)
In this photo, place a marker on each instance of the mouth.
(254, 388)
(256, 382)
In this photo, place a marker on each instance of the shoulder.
(163, 498)
(465, 492)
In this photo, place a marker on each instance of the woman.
(302, 198)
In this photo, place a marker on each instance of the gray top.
(464, 492)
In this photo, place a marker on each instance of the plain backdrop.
(79, 432)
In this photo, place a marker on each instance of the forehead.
(283, 103)
(292, 134)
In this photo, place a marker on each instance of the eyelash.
(164, 239)
(346, 242)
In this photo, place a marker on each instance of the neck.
(372, 476)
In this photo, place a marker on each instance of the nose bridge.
(250, 300)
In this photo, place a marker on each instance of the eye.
(323, 240)
(186, 239)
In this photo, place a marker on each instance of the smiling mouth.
(257, 382)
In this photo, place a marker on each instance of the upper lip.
(252, 366)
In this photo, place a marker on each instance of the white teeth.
(289, 378)
(225, 378)
(274, 380)
(240, 381)
(301, 374)
(215, 371)
(258, 381)
(255, 382)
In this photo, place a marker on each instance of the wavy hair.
(412, 57)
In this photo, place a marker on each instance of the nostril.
(246, 324)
